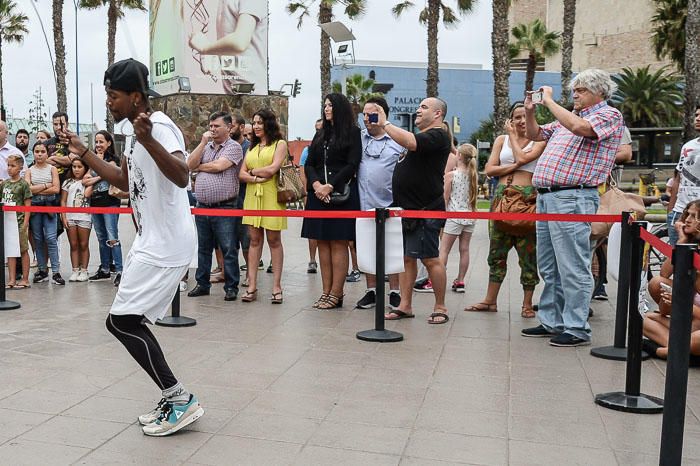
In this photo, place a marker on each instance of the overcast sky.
(293, 53)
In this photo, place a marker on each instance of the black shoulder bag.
(337, 197)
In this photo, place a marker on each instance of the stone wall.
(191, 111)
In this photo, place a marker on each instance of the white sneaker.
(183, 286)
(153, 415)
(74, 276)
(83, 276)
(174, 417)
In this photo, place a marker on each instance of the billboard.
(220, 46)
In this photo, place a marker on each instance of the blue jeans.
(671, 218)
(220, 231)
(44, 232)
(107, 229)
(564, 260)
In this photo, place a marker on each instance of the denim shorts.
(423, 241)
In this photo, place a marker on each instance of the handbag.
(613, 202)
(290, 188)
(514, 201)
(337, 197)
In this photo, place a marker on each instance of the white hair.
(596, 81)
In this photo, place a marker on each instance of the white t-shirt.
(76, 198)
(689, 175)
(165, 231)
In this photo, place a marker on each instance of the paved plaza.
(292, 385)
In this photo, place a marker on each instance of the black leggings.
(143, 347)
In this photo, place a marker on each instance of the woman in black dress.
(334, 157)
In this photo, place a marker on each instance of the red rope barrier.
(334, 213)
(665, 248)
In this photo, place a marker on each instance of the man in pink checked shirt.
(580, 153)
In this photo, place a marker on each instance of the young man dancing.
(155, 174)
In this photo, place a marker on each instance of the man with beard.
(22, 143)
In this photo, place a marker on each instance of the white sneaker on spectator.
(83, 275)
(74, 276)
(183, 285)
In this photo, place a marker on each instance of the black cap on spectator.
(129, 76)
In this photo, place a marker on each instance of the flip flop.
(9, 287)
(482, 307)
(438, 314)
(528, 313)
(21, 287)
(399, 315)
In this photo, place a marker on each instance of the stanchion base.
(614, 353)
(382, 336)
(179, 321)
(620, 401)
(9, 305)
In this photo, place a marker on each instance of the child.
(15, 191)
(44, 184)
(78, 225)
(460, 196)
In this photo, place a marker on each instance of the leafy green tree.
(115, 11)
(353, 9)
(13, 27)
(668, 30)
(537, 42)
(357, 89)
(649, 99)
(37, 112)
(430, 17)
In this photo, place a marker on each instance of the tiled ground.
(292, 385)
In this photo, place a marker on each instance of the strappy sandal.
(250, 296)
(331, 302)
(528, 313)
(482, 307)
(320, 300)
(276, 298)
(444, 316)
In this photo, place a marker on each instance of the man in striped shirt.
(580, 153)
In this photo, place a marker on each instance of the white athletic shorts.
(457, 226)
(146, 290)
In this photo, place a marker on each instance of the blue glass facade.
(468, 92)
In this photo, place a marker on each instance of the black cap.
(129, 76)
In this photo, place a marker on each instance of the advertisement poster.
(219, 45)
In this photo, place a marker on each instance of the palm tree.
(567, 48)
(115, 11)
(13, 27)
(539, 44)
(430, 17)
(353, 9)
(649, 99)
(60, 51)
(357, 89)
(692, 66)
(501, 61)
(668, 30)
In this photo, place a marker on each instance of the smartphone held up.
(536, 97)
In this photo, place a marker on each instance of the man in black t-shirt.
(59, 156)
(417, 184)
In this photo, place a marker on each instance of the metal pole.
(379, 333)
(678, 355)
(618, 351)
(631, 400)
(5, 305)
(174, 319)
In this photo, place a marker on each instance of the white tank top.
(459, 194)
(506, 156)
(41, 175)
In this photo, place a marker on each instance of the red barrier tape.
(665, 248)
(334, 213)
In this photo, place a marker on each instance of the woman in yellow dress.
(260, 171)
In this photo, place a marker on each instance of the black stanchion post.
(618, 351)
(5, 305)
(678, 355)
(379, 333)
(631, 400)
(175, 319)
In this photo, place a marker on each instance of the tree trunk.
(567, 48)
(433, 78)
(530, 71)
(692, 67)
(2, 95)
(60, 51)
(501, 63)
(112, 16)
(325, 15)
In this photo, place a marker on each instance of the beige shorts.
(458, 226)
